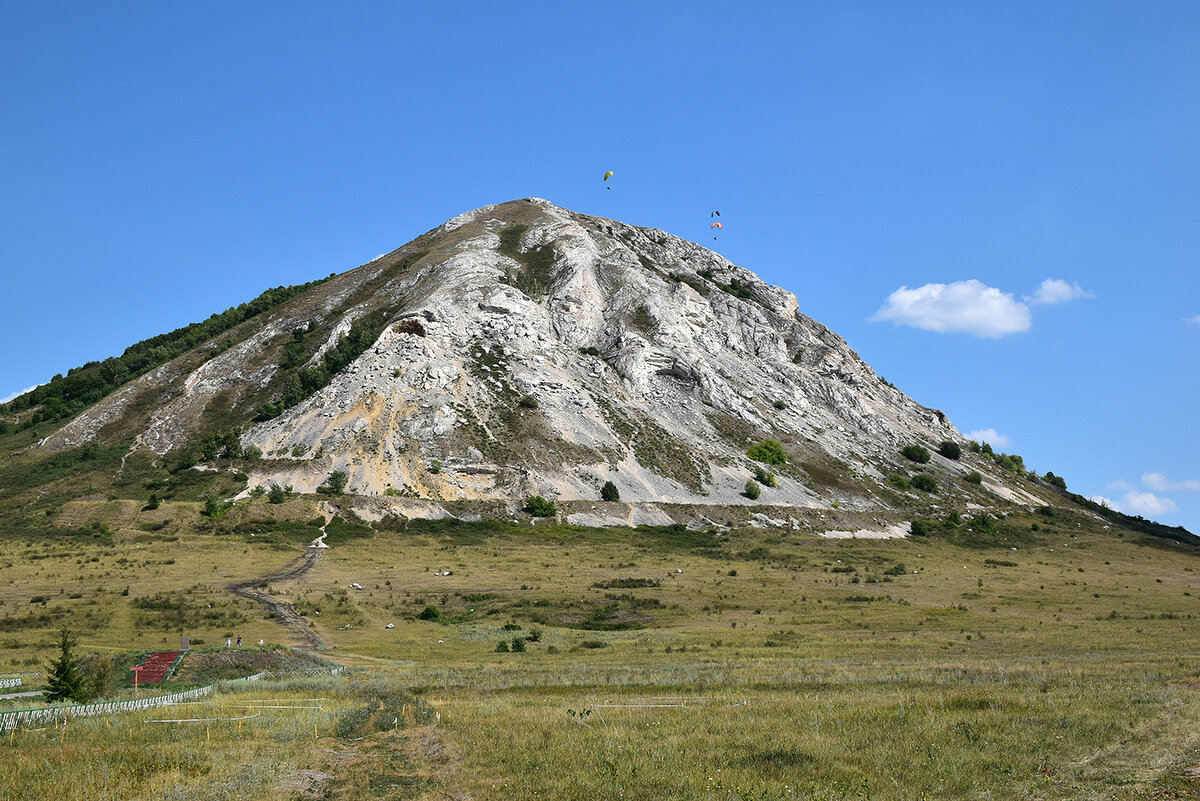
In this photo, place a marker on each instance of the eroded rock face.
(533, 350)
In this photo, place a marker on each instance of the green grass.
(751, 663)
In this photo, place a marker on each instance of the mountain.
(524, 349)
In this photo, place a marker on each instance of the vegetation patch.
(536, 271)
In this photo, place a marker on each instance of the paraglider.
(608, 175)
(715, 214)
(716, 225)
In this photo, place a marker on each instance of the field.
(1039, 656)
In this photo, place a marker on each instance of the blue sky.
(997, 205)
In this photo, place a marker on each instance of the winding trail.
(284, 612)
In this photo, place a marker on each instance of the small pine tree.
(518, 644)
(752, 491)
(609, 492)
(65, 680)
(336, 483)
(213, 507)
(277, 494)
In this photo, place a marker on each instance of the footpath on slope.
(284, 612)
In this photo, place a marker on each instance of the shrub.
(769, 451)
(430, 612)
(535, 635)
(898, 481)
(502, 647)
(590, 351)
(764, 477)
(922, 528)
(609, 492)
(752, 491)
(973, 478)
(518, 644)
(780, 404)
(277, 494)
(950, 450)
(540, 507)
(528, 402)
(924, 482)
(915, 453)
(1055, 481)
(435, 466)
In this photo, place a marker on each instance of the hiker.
(260, 643)
(239, 645)
(227, 642)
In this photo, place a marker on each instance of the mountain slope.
(524, 349)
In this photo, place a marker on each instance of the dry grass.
(757, 664)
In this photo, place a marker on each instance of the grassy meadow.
(1047, 657)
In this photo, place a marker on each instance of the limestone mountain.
(524, 349)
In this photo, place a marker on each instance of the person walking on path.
(239, 645)
(227, 642)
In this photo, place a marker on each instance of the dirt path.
(284, 612)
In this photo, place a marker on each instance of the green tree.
(769, 451)
(277, 494)
(609, 492)
(213, 507)
(540, 507)
(336, 483)
(915, 453)
(65, 680)
(951, 450)
(751, 490)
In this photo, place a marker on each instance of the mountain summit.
(524, 349)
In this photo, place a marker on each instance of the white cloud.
(1193, 320)
(1160, 483)
(970, 307)
(1146, 504)
(1120, 485)
(1055, 290)
(18, 393)
(991, 436)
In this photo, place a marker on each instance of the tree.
(769, 451)
(951, 450)
(277, 494)
(65, 680)
(752, 491)
(213, 507)
(609, 492)
(336, 483)
(915, 453)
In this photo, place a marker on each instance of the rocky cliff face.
(524, 349)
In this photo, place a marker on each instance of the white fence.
(9, 681)
(10, 720)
